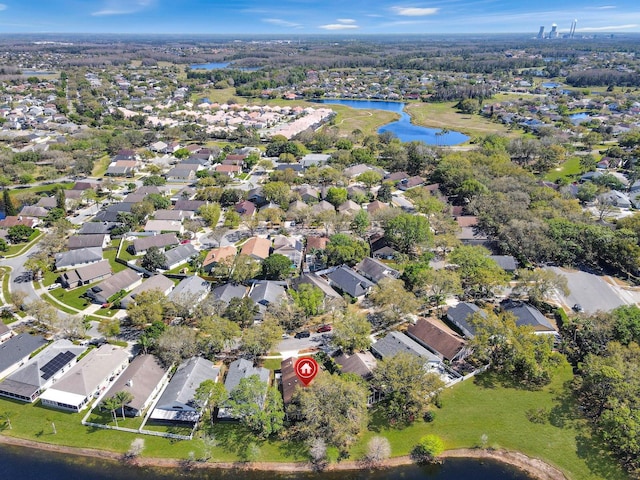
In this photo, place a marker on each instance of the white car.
(53, 286)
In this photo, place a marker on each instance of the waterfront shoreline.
(536, 468)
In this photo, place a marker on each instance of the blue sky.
(315, 16)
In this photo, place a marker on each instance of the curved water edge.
(403, 128)
(486, 464)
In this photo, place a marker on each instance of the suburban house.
(289, 247)
(33, 211)
(41, 371)
(189, 205)
(216, 255)
(122, 168)
(86, 379)
(142, 244)
(143, 379)
(245, 208)
(77, 242)
(229, 170)
(349, 208)
(162, 226)
(112, 212)
(181, 173)
(265, 293)
(175, 215)
(375, 206)
(289, 381)
(506, 262)
(85, 275)
(396, 342)
(124, 280)
(78, 258)
(322, 206)
(381, 247)
(314, 159)
(177, 403)
(256, 247)
(238, 370)
(224, 293)
(308, 193)
(349, 281)
(15, 352)
(361, 363)
(460, 315)
(98, 228)
(437, 337)
(315, 281)
(528, 315)
(192, 289)
(411, 182)
(375, 270)
(179, 255)
(13, 220)
(155, 282)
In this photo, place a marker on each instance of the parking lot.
(595, 292)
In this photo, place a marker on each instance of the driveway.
(595, 292)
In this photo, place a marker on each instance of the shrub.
(429, 416)
(428, 450)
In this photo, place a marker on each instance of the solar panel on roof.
(55, 364)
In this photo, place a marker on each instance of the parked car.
(325, 328)
(53, 286)
(302, 335)
(577, 308)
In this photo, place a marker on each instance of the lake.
(577, 118)
(220, 66)
(403, 128)
(27, 464)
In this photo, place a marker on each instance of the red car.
(325, 328)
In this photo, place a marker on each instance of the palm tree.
(122, 398)
(112, 405)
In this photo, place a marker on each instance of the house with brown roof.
(230, 170)
(289, 381)
(256, 247)
(124, 280)
(437, 337)
(360, 363)
(375, 206)
(99, 240)
(216, 255)
(13, 220)
(245, 208)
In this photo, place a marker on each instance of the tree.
(61, 201)
(123, 397)
(478, 273)
(241, 311)
(109, 327)
(428, 450)
(537, 284)
(260, 339)
(244, 268)
(258, 407)
(19, 233)
(112, 405)
(309, 298)
(360, 223)
(176, 344)
(393, 300)
(276, 267)
(587, 192)
(210, 394)
(158, 201)
(407, 386)
(153, 259)
(210, 213)
(351, 331)
(407, 232)
(232, 219)
(626, 324)
(336, 196)
(216, 334)
(8, 205)
(277, 192)
(384, 192)
(343, 249)
(148, 307)
(153, 180)
(288, 314)
(378, 450)
(331, 408)
(370, 178)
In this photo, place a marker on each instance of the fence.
(468, 376)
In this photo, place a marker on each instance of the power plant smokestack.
(541, 33)
(554, 31)
(572, 32)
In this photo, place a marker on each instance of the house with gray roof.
(528, 315)
(179, 255)
(15, 352)
(375, 270)
(143, 378)
(124, 280)
(77, 277)
(315, 281)
(238, 370)
(349, 281)
(78, 258)
(5, 332)
(111, 212)
(41, 371)
(33, 211)
(86, 379)
(155, 282)
(265, 293)
(224, 293)
(175, 215)
(142, 244)
(98, 228)
(177, 403)
(460, 315)
(192, 289)
(76, 242)
(189, 205)
(396, 342)
(314, 159)
(507, 262)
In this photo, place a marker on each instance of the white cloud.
(2, 6)
(607, 29)
(604, 7)
(122, 7)
(414, 11)
(280, 22)
(339, 26)
(345, 20)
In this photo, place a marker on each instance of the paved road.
(19, 278)
(316, 340)
(594, 292)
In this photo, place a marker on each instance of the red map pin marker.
(306, 369)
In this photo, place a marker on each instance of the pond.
(403, 128)
(550, 85)
(27, 464)
(577, 118)
(209, 66)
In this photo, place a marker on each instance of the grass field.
(569, 169)
(72, 298)
(111, 256)
(100, 166)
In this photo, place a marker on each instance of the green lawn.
(107, 312)
(111, 256)
(4, 274)
(49, 278)
(105, 417)
(72, 298)
(124, 254)
(483, 406)
(17, 249)
(569, 169)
